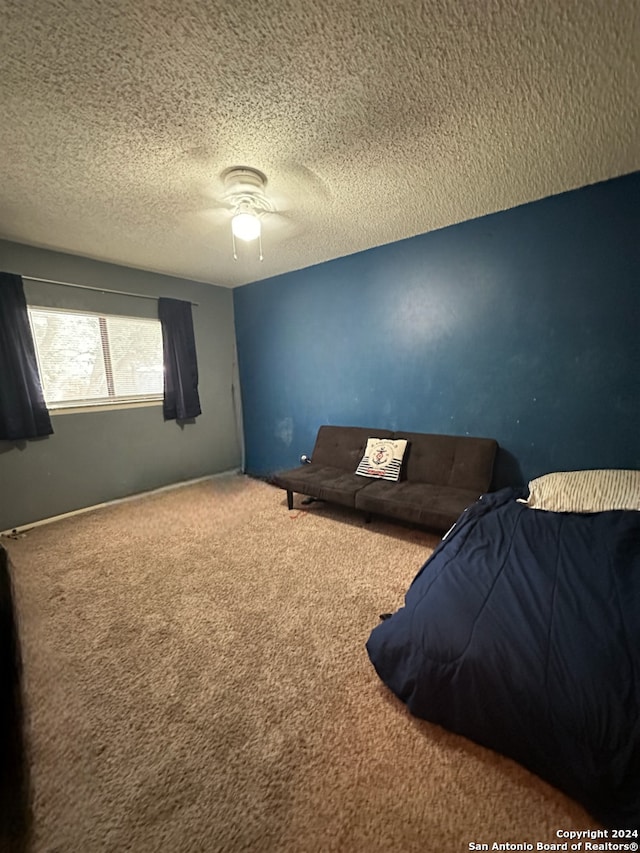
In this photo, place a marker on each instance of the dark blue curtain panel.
(181, 399)
(23, 411)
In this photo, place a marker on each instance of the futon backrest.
(463, 462)
(343, 447)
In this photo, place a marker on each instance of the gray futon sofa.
(441, 475)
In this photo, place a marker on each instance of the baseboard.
(23, 527)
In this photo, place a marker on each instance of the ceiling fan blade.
(203, 222)
(282, 226)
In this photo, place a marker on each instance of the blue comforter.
(522, 632)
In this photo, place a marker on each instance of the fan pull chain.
(260, 239)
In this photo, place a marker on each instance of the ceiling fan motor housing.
(244, 188)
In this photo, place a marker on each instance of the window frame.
(113, 400)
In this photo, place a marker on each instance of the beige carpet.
(196, 680)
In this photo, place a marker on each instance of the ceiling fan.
(244, 192)
(243, 207)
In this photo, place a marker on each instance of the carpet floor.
(196, 679)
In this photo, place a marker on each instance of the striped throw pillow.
(586, 491)
(382, 458)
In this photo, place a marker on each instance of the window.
(94, 359)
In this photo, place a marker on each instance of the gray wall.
(98, 456)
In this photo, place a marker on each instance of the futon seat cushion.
(323, 482)
(420, 503)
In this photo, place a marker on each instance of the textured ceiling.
(373, 120)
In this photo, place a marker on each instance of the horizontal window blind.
(95, 359)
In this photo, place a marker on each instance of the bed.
(522, 633)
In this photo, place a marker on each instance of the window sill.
(108, 407)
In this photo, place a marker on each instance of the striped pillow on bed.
(586, 491)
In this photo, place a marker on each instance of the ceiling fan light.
(245, 226)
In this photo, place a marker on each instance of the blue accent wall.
(523, 325)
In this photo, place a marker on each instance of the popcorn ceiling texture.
(373, 121)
